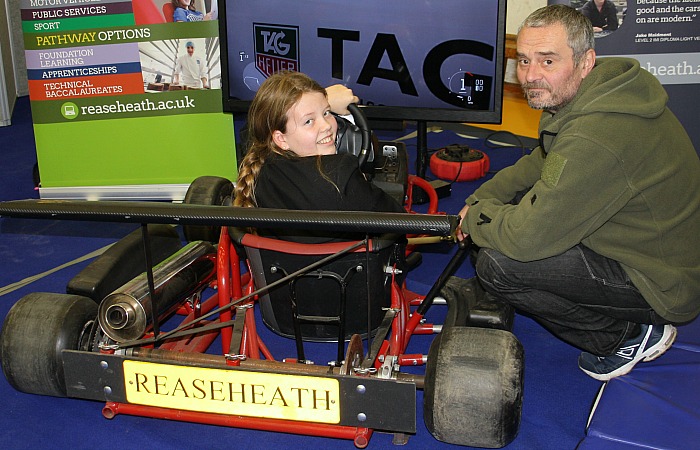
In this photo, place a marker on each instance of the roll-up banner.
(126, 98)
(664, 36)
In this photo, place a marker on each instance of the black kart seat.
(329, 302)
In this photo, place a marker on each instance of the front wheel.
(474, 387)
(36, 331)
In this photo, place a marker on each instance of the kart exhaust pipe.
(126, 314)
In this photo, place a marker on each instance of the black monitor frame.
(421, 115)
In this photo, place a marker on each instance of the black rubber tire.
(207, 190)
(35, 332)
(474, 387)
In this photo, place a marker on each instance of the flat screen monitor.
(417, 60)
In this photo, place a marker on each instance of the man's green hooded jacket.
(616, 172)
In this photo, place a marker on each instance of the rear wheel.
(473, 387)
(207, 191)
(36, 330)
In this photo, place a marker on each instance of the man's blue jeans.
(580, 296)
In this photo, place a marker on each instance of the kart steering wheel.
(355, 138)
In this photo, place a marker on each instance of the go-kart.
(159, 329)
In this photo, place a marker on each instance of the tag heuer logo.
(276, 48)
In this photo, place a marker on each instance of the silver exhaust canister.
(126, 313)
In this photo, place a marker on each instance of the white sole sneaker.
(666, 341)
(649, 354)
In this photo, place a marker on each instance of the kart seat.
(331, 302)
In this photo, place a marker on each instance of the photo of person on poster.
(190, 69)
(602, 14)
(167, 62)
(606, 16)
(168, 11)
(186, 11)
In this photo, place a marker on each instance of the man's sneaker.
(651, 343)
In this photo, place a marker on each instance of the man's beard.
(553, 102)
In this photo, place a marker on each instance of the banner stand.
(126, 103)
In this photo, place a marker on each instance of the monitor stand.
(419, 195)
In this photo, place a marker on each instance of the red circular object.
(459, 170)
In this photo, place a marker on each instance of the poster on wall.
(663, 35)
(126, 97)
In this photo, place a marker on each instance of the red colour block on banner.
(67, 88)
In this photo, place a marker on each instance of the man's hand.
(462, 216)
(339, 97)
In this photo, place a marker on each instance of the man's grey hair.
(579, 31)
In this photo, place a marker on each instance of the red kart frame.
(169, 375)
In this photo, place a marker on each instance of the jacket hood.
(615, 85)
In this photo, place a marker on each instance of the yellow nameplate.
(233, 392)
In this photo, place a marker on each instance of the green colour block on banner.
(130, 151)
(80, 23)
